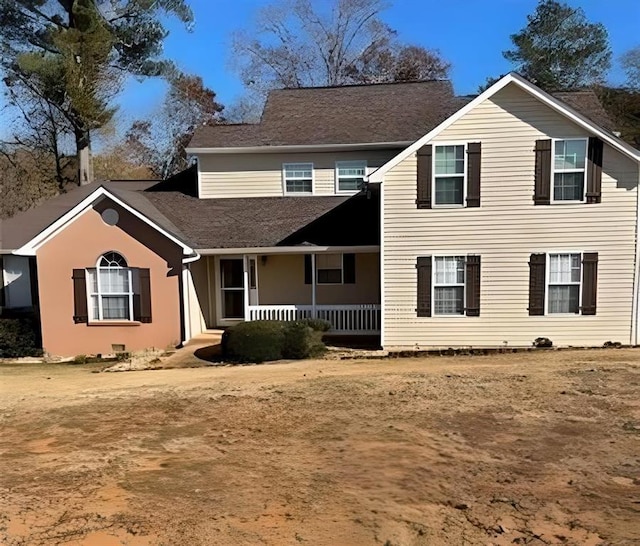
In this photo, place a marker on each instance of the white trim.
(298, 148)
(222, 321)
(633, 335)
(545, 98)
(199, 178)
(554, 201)
(433, 285)
(245, 285)
(365, 249)
(547, 273)
(210, 289)
(455, 175)
(340, 163)
(30, 248)
(187, 304)
(381, 268)
(284, 179)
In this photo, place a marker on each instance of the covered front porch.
(338, 284)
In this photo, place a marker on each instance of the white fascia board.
(288, 250)
(298, 148)
(30, 248)
(555, 104)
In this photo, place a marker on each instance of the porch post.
(313, 286)
(245, 285)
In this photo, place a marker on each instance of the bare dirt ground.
(532, 448)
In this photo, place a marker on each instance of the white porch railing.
(345, 319)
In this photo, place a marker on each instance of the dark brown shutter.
(307, 269)
(474, 152)
(424, 286)
(2, 296)
(142, 300)
(542, 194)
(349, 264)
(589, 282)
(423, 200)
(80, 310)
(472, 302)
(537, 281)
(594, 170)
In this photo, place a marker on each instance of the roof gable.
(545, 98)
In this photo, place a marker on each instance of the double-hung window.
(329, 268)
(298, 177)
(449, 285)
(564, 283)
(569, 157)
(110, 289)
(350, 175)
(449, 174)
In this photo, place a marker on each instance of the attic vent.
(110, 217)
(118, 347)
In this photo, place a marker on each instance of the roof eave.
(298, 148)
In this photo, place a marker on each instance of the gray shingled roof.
(240, 222)
(396, 112)
(586, 102)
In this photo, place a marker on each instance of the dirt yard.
(529, 448)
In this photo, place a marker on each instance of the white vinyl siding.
(260, 175)
(505, 231)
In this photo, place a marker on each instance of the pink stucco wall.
(78, 246)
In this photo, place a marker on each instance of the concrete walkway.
(201, 350)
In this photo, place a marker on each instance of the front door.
(232, 288)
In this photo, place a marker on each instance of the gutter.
(287, 250)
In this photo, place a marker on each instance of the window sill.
(114, 323)
(449, 206)
(568, 202)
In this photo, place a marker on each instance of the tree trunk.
(85, 165)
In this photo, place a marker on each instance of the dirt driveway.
(514, 449)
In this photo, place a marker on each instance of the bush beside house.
(19, 337)
(263, 340)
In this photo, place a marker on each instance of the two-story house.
(401, 210)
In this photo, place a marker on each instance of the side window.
(449, 175)
(298, 178)
(569, 164)
(350, 175)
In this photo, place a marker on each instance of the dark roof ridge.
(352, 85)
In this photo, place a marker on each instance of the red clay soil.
(533, 448)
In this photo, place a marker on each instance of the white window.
(298, 177)
(564, 283)
(110, 287)
(350, 175)
(448, 285)
(569, 157)
(329, 268)
(449, 168)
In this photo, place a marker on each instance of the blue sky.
(471, 34)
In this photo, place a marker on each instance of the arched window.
(111, 288)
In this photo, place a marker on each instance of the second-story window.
(350, 175)
(568, 177)
(449, 175)
(298, 177)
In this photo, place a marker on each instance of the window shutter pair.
(425, 175)
(538, 283)
(424, 268)
(348, 273)
(141, 300)
(593, 171)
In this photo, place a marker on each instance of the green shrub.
(263, 340)
(19, 337)
(255, 341)
(319, 325)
